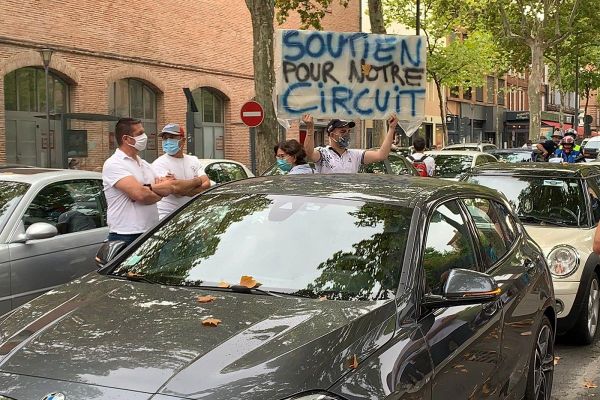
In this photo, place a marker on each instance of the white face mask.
(140, 142)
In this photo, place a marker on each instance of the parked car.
(516, 155)
(221, 171)
(398, 297)
(395, 164)
(453, 164)
(560, 209)
(52, 222)
(483, 147)
(591, 147)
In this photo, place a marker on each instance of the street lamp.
(46, 58)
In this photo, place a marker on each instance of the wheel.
(586, 327)
(541, 365)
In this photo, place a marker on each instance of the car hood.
(108, 333)
(547, 237)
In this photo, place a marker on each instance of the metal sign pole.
(253, 150)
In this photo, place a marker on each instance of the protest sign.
(351, 75)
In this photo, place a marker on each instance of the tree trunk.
(439, 88)
(533, 91)
(561, 106)
(377, 26)
(262, 13)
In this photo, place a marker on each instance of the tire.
(585, 329)
(541, 364)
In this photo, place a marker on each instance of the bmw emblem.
(54, 396)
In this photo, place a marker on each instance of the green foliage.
(311, 12)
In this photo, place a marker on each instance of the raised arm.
(382, 153)
(309, 142)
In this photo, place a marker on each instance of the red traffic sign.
(252, 114)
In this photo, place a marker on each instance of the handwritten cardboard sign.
(350, 75)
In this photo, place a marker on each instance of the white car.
(559, 205)
(221, 171)
(452, 164)
(470, 147)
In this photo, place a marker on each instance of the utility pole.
(418, 17)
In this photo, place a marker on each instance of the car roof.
(34, 175)
(455, 152)
(408, 191)
(578, 170)
(513, 150)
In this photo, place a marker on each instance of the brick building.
(122, 58)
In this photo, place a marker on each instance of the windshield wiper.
(130, 276)
(532, 218)
(244, 289)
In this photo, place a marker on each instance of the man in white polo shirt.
(131, 187)
(337, 158)
(175, 164)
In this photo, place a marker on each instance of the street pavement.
(577, 371)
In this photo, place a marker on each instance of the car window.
(594, 196)
(399, 166)
(221, 172)
(10, 195)
(493, 239)
(593, 144)
(220, 238)
(510, 225)
(484, 159)
(448, 245)
(373, 168)
(515, 157)
(451, 165)
(71, 206)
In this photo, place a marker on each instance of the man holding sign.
(337, 158)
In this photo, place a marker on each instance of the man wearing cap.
(337, 158)
(130, 186)
(549, 146)
(176, 165)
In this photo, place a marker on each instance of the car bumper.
(565, 292)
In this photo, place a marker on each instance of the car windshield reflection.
(10, 195)
(313, 247)
(451, 165)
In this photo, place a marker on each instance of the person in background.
(566, 153)
(337, 157)
(176, 165)
(528, 145)
(549, 146)
(291, 158)
(423, 163)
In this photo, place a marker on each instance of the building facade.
(150, 60)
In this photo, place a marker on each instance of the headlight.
(315, 396)
(563, 260)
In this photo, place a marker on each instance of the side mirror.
(108, 252)
(463, 287)
(40, 230)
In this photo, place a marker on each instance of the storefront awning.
(556, 124)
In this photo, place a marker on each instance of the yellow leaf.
(353, 362)
(366, 68)
(211, 322)
(249, 282)
(205, 299)
(224, 284)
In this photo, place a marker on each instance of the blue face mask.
(171, 146)
(343, 141)
(284, 165)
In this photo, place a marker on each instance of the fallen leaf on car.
(322, 298)
(353, 362)
(556, 360)
(205, 299)
(366, 68)
(249, 282)
(528, 333)
(224, 284)
(589, 384)
(211, 322)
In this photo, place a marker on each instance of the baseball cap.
(557, 133)
(173, 129)
(339, 123)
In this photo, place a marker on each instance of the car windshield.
(451, 165)
(515, 157)
(593, 145)
(539, 200)
(462, 148)
(10, 195)
(305, 246)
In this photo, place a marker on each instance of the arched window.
(25, 90)
(133, 98)
(209, 125)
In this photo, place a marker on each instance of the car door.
(78, 209)
(517, 266)
(463, 340)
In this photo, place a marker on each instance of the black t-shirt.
(550, 146)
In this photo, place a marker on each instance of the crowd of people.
(560, 148)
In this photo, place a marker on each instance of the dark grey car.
(378, 287)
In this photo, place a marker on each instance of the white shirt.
(301, 169)
(126, 216)
(188, 167)
(331, 162)
(429, 162)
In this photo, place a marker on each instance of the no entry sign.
(252, 114)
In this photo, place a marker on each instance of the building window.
(25, 90)
(455, 92)
(491, 89)
(479, 94)
(501, 91)
(209, 124)
(133, 98)
(468, 93)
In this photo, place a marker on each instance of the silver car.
(52, 222)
